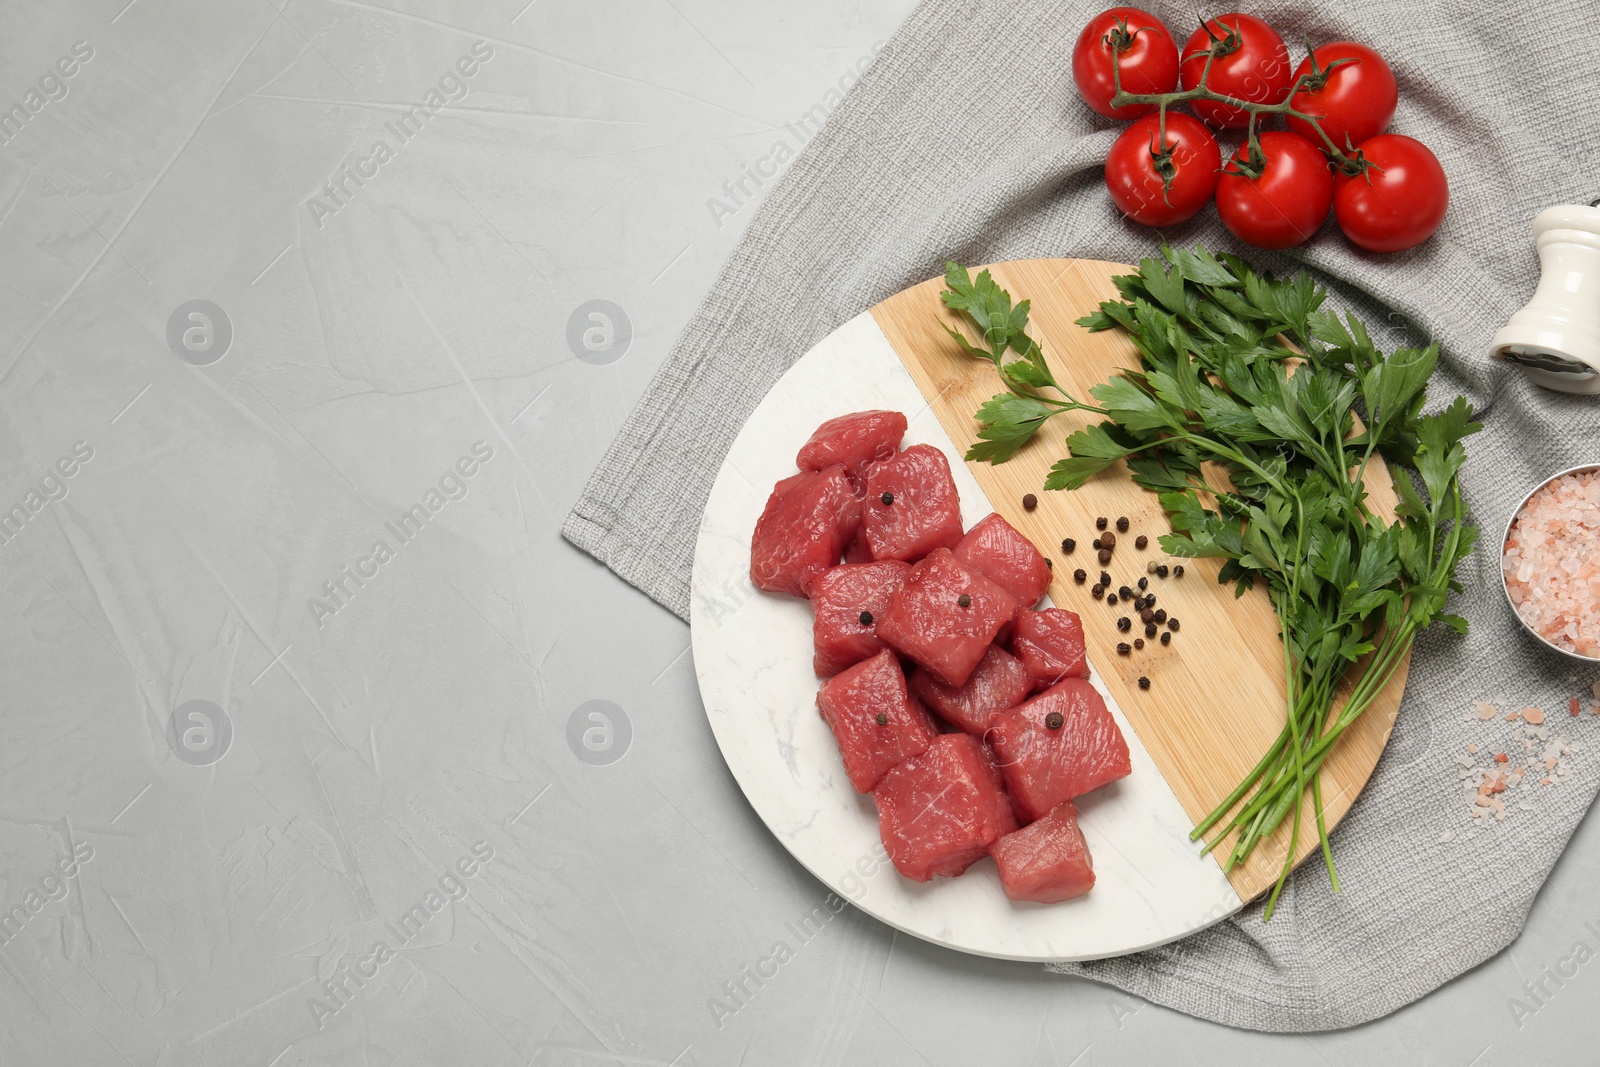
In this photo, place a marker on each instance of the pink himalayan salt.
(1552, 563)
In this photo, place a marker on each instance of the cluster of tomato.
(1387, 191)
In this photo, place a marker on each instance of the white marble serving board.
(752, 653)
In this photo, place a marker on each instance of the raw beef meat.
(1047, 861)
(846, 602)
(1044, 766)
(851, 704)
(808, 520)
(944, 616)
(1050, 644)
(939, 812)
(997, 551)
(911, 506)
(999, 682)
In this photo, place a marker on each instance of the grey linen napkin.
(966, 140)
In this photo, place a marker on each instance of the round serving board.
(1217, 692)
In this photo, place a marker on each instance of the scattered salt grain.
(1551, 563)
(1448, 835)
(1481, 785)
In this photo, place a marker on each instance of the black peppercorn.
(1111, 601)
(1097, 591)
(887, 498)
(1138, 642)
(1144, 583)
(1096, 543)
(1105, 579)
(1160, 615)
(1068, 545)
(1166, 638)
(1144, 683)
(1122, 524)
(1149, 629)
(1053, 720)
(964, 600)
(1177, 572)
(1123, 648)
(1150, 600)
(1126, 592)
(1049, 563)
(1124, 624)
(1030, 502)
(866, 618)
(1080, 576)
(1172, 623)
(883, 720)
(1100, 523)
(1161, 570)
(1105, 556)
(1141, 542)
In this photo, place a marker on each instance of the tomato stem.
(1119, 39)
(1350, 162)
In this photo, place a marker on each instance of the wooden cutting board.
(1216, 696)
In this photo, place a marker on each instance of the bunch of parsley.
(1245, 376)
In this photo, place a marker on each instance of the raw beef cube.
(939, 812)
(808, 520)
(927, 620)
(997, 683)
(1050, 644)
(1048, 861)
(854, 442)
(846, 602)
(851, 702)
(1043, 766)
(1005, 812)
(997, 551)
(911, 506)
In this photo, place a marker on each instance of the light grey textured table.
(317, 744)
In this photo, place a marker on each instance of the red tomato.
(1253, 66)
(1397, 203)
(1160, 183)
(1147, 59)
(1354, 99)
(1287, 202)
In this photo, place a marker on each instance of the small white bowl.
(1499, 563)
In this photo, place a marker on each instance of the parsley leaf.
(1007, 421)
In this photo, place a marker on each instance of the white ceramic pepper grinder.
(1556, 338)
